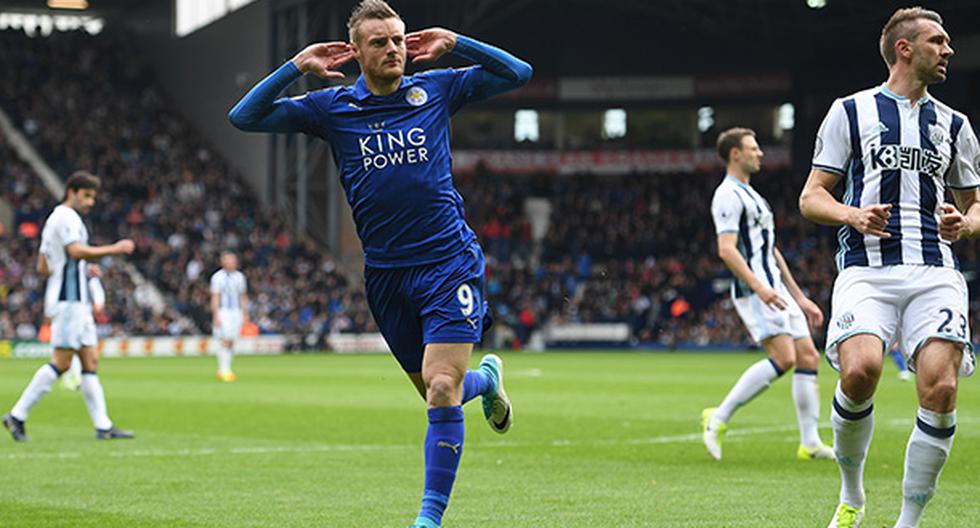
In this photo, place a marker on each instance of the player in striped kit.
(773, 307)
(229, 309)
(64, 251)
(898, 150)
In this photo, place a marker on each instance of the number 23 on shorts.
(953, 323)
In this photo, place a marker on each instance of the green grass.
(600, 440)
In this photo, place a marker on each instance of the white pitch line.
(340, 448)
(352, 448)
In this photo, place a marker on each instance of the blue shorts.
(442, 302)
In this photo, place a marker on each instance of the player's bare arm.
(42, 266)
(244, 304)
(954, 224)
(215, 309)
(818, 205)
(729, 254)
(79, 251)
(324, 59)
(813, 313)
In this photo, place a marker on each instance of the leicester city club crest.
(416, 96)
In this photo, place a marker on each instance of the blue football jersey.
(393, 157)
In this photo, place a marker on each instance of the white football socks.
(754, 380)
(853, 424)
(39, 386)
(928, 449)
(806, 398)
(224, 359)
(95, 400)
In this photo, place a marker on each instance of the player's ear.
(903, 48)
(731, 153)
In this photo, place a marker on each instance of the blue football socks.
(443, 449)
(476, 383)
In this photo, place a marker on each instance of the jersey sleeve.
(307, 111)
(244, 282)
(832, 150)
(45, 247)
(726, 210)
(457, 85)
(215, 286)
(68, 229)
(262, 110)
(964, 168)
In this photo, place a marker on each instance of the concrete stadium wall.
(206, 72)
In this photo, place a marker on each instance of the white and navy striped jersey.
(230, 287)
(68, 281)
(891, 150)
(737, 208)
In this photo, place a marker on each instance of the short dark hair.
(82, 180)
(902, 26)
(732, 138)
(369, 9)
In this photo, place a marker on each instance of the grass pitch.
(600, 440)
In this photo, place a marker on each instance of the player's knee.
(785, 364)
(860, 376)
(941, 394)
(441, 389)
(807, 358)
(89, 363)
(60, 365)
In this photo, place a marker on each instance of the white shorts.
(230, 325)
(73, 326)
(764, 321)
(905, 305)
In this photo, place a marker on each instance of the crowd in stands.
(639, 249)
(86, 103)
(21, 290)
(636, 248)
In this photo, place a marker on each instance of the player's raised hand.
(124, 247)
(872, 220)
(324, 58)
(813, 313)
(953, 225)
(429, 44)
(772, 298)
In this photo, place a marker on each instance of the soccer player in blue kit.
(424, 270)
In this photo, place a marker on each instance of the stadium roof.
(596, 37)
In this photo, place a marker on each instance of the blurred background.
(589, 188)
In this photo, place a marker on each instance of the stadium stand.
(608, 251)
(167, 190)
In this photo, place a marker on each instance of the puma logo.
(454, 447)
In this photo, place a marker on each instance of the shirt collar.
(892, 95)
(361, 90)
(736, 181)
